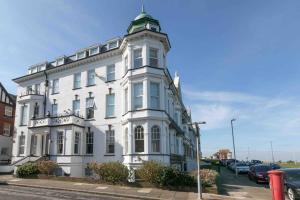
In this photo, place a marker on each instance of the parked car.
(241, 167)
(259, 173)
(292, 183)
(255, 162)
(274, 166)
(230, 161)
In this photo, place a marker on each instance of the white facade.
(138, 110)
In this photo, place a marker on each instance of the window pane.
(138, 95)
(110, 105)
(91, 77)
(153, 57)
(154, 95)
(77, 80)
(110, 73)
(139, 139)
(89, 142)
(59, 142)
(76, 107)
(138, 60)
(110, 141)
(54, 109)
(55, 86)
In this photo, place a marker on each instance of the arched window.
(139, 139)
(126, 140)
(155, 139)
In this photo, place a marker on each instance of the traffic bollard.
(276, 184)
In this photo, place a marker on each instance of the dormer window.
(113, 45)
(60, 61)
(94, 50)
(81, 55)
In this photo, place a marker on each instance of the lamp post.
(198, 159)
(233, 146)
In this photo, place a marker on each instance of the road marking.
(78, 183)
(101, 188)
(144, 190)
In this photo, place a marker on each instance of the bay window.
(138, 95)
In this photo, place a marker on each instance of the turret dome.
(143, 21)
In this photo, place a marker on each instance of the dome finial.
(143, 8)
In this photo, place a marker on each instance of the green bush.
(47, 166)
(29, 169)
(157, 174)
(208, 176)
(111, 172)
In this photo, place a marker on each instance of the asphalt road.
(8, 192)
(242, 187)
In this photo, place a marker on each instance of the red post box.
(276, 184)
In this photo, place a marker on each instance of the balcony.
(30, 95)
(63, 120)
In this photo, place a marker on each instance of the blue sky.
(236, 58)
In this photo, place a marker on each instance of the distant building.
(109, 102)
(7, 113)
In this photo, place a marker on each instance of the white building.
(108, 102)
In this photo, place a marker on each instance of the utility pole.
(233, 145)
(198, 158)
(272, 152)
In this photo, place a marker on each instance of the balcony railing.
(57, 121)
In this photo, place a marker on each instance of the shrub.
(208, 176)
(157, 174)
(151, 172)
(47, 166)
(111, 172)
(29, 169)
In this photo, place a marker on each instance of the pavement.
(241, 187)
(53, 189)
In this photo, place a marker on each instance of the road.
(8, 192)
(241, 187)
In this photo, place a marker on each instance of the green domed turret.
(143, 21)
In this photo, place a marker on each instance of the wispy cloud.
(270, 114)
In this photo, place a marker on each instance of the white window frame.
(60, 142)
(113, 44)
(110, 141)
(110, 105)
(138, 97)
(110, 73)
(155, 139)
(54, 105)
(21, 149)
(76, 111)
(24, 115)
(91, 77)
(94, 50)
(137, 60)
(90, 106)
(55, 86)
(77, 81)
(139, 139)
(77, 142)
(80, 55)
(8, 111)
(89, 142)
(153, 59)
(154, 97)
